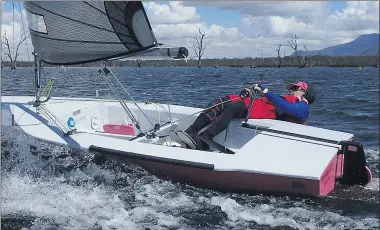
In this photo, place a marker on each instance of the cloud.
(174, 13)
(357, 16)
(319, 29)
(215, 39)
(177, 24)
(301, 10)
(8, 17)
(263, 25)
(176, 31)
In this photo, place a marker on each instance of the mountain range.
(364, 45)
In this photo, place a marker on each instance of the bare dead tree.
(199, 47)
(294, 61)
(307, 60)
(278, 56)
(337, 61)
(294, 45)
(8, 54)
(262, 59)
(304, 58)
(273, 61)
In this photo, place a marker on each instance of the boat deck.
(267, 153)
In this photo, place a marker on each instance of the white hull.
(263, 160)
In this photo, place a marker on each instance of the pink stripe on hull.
(233, 181)
(339, 171)
(327, 180)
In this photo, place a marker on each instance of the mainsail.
(79, 32)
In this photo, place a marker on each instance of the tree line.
(288, 61)
(300, 58)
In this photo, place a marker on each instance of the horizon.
(241, 29)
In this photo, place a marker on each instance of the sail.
(74, 32)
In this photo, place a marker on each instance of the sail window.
(36, 22)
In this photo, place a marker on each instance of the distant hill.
(364, 45)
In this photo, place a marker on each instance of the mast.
(37, 77)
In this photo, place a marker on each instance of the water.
(45, 186)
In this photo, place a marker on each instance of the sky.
(238, 29)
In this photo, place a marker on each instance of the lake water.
(45, 186)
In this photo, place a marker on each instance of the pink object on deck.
(122, 129)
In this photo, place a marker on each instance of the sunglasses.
(297, 88)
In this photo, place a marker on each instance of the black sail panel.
(78, 32)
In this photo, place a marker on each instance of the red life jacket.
(262, 108)
(290, 98)
(286, 117)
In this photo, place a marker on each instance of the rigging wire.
(129, 113)
(104, 72)
(23, 30)
(13, 29)
(166, 111)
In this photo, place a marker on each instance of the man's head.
(302, 89)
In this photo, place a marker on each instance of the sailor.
(293, 107)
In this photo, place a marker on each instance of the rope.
(23, 112)
(55, 119)
(163, 108)
(122, 102)
(252, 97)
(46, 90)
(125, 90)
(129, 113)
(173, 121)
(23, 30)
(125, 107)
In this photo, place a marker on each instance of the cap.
(301, 84)
(310, 94)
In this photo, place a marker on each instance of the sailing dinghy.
(263, 155)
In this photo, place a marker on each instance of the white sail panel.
(36, 22)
